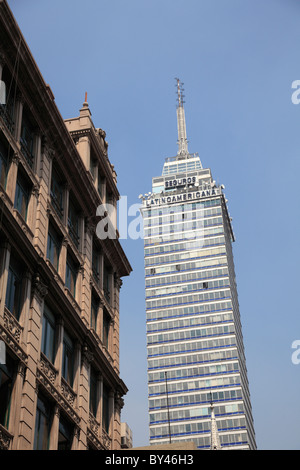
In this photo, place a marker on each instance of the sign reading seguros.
(177, 183)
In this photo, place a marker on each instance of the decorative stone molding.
(95, 442)
(86, 355)
(106, 440)
(117, 281)
(93, 424)
(12, 325)
(16, 158)
(5, 438)
(12, 343)
(118, 401)
(39, 288)
(43, 382)
(35, 190)
(48, 369)
(67, 392)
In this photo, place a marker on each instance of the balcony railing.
(12, 325)
(48, 369)
(106, 440)
(67, 392)
(94, 425)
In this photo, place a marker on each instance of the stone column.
(59, 349)
(34, 335)
(118, 405)
(24, 315)
(83, 147)
(76, 382)
(4, 267)
(37, 151)
(32, 208)
(79, 284)
(63, 259)
(66, 204)
(11, 180)
(16, 404)
(100, 408)
(42, 210)
(99, 325)
(53, 439)
(111, 417)
(19, 115)
(116, 330)
(83, 398)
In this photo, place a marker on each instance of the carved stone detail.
(39, 288)
(5, 438)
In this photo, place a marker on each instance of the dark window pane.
(13, 292)
(105, 409)
(65, 435)
(68, 360)
(53, 247)
(42, 425)
(93, 393)
(22, 197)
(7, 373)
(48, 334)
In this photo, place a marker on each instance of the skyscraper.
(194, 336)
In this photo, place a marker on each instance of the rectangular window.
(93, 393)
(42, 425)
(7, 373)
(27, 140)
(65, 434)
(106, 284)
(106, 323)
(73, 223)
(22, 196)
(105, 409)
(93, 168)
(68, 359)
(3, 165)
(96, 264)
(100, 185)
(71, 275)
(94, 312)
(14, 289)
(53, 247)
(48, 334)
(56, 193)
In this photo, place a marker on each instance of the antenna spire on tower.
(182, 138)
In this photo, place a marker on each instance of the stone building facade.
(60, 386)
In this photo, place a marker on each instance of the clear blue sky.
(237, 60)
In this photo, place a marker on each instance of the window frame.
(48, 346)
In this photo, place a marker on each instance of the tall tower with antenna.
(197, 376)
